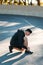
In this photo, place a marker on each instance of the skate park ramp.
(9, 24)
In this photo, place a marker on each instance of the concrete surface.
(9, 24)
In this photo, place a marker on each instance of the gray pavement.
(22, 10)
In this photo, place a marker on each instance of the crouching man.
(20, 41)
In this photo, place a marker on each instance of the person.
(20, 41)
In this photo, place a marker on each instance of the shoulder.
(21, 32)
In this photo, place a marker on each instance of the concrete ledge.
(22, 10)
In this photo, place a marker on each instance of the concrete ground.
(9, 24)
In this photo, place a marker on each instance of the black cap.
(29, 30)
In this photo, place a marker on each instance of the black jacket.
(18, 39)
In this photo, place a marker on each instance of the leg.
(26, 43)
(10, 48)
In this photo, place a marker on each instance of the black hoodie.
(18, 39)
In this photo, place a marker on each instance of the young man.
(20, 41)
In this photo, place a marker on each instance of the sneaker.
(29, 52)
(10, 49)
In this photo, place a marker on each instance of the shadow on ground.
(6, 57)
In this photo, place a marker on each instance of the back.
(17, 39)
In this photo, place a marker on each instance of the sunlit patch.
(3, 23)
(36, 38)
(7, 24)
